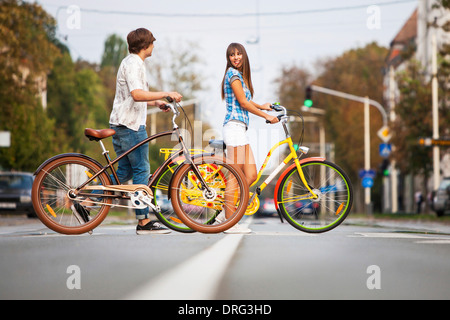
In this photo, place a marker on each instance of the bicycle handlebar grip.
(279, 118)
(276, 107)
(169, 99)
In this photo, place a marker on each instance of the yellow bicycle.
(312, 194)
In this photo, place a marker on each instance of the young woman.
(237, 91)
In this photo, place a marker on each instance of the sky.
(275, 33)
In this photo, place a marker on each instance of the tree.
(177, 69)
(292, 83)
(76, 100)
(114, 51)
(27, 54)
(413, 120)
(356, 71)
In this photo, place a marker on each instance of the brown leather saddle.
(98, 135)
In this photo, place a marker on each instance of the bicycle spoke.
(53, 204)
(199, 206)
(307, 213)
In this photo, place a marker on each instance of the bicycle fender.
(285, 173)
(62, 155)
(178, 167)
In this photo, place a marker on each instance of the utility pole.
(394, 178)
(367, 194)
(435, 110)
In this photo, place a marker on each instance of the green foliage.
(27, 53)
(114, 52)
(79, 94)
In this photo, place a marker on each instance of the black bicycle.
(73, 193)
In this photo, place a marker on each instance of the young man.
(128, 118)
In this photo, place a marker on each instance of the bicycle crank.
(140, 195)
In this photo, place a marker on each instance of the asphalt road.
(354, 261)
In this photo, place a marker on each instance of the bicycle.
(73, 193)
(312, 194)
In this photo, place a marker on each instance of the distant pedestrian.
(419, 200)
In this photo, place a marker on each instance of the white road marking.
(429, 239)
(394, 235)
(197, 278)
(433, 241)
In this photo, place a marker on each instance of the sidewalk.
(406, 225)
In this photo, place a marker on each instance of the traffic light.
(384, 167)
(308, 97)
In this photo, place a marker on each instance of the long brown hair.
(245, 67)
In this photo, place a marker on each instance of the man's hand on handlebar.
(173, 96)
(162, 105)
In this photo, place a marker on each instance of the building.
(413, 41)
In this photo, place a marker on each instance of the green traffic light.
(308, 103)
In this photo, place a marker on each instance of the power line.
(238, 15)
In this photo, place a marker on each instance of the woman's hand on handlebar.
(266, 106)
(271, 119)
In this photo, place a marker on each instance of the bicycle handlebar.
(279, 108)
(173, 105)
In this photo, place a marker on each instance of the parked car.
(441, 198)
(15, 193)
(266, 207)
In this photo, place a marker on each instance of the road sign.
(385, 134)
(434, 142)
(5, 138)
(367, 173)
(367, 182)
(385, 149)
(367, 177)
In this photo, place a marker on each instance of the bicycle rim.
(335, 196)
(51, 201)
(167, 215)
(198, 209)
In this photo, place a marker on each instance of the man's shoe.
(151, 228)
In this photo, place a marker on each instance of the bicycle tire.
(194, 207)
(167, 215)
(334, 202)
(50, 194)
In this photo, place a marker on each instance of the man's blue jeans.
(135, 165)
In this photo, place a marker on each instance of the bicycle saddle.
(98, 135)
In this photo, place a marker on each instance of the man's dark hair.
(139, 39)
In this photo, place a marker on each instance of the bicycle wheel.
(54, 197)
(196, 207)
(167, 215)
(333, 188)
